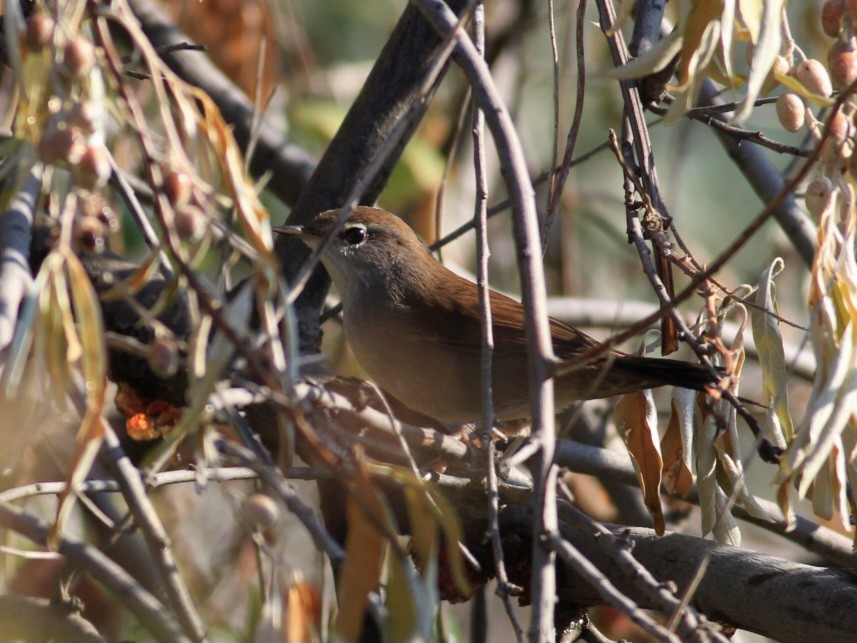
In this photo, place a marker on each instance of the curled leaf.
(637, 423)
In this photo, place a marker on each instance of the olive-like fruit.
(812, 75)
(79, 57)
(791, 111)
(40, 31)
(819, 194)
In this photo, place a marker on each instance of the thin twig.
(693, 626)
(556, 187)
(608, 591)
(552, 183)
(738, 133)
(612, 465)
(120, 182)
(145, 607)
(279, 485)
(635, 115)
(146, 519)
(712, 268)
(483, 252)
(450, 160)
(539, 345)
(767, 181)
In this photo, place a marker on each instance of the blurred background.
(304, 61)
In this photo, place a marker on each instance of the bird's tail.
(651, 372)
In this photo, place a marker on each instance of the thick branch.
(393, 85)
(23, 618)
(15, 231)
(771, 596)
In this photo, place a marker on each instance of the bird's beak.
(292, 231)
(299, 232)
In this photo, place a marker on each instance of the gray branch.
(771, 596)
(23, 618)
(148, 610)
(15, 232)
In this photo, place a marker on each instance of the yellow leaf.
(767, 48)
(361, 572)
(423, 525)
(654, 60)
(703, 17)
(402, 622)
(303, 613)
(769, 343)
(797, 87)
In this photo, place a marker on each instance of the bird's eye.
(354, 235)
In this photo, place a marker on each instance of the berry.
(812, 75)
(791, 111)
(190, 223)
(819, 194)
(832, 13)
(40, 32)
(93, 169)
(163, 357)
(177, 189)
(79, 57)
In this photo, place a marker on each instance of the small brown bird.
(415, 327)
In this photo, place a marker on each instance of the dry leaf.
(637, 422)
(677, 474)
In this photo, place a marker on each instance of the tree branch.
(148, 610)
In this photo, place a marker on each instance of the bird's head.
(374, 248)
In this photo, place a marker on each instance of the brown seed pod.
(177, 189)
(791, 111)
(840, 128)
(832, 13)
(838, 47)
(40, 31)
(260, 512)
(819, 194)
(163, 357)
(84, 117)
(812, 75)
(78, 57)
(93, 169)
(843, 69)
(190, 223)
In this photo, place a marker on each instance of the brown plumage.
(415, 328)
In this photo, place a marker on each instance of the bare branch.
(539, 346)
(23, 618)
(15, 233)
(154, 534)
(148, 610)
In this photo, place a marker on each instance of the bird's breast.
(413, 366)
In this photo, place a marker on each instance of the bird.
(415, 328)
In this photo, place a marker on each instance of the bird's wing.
(456, 323)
